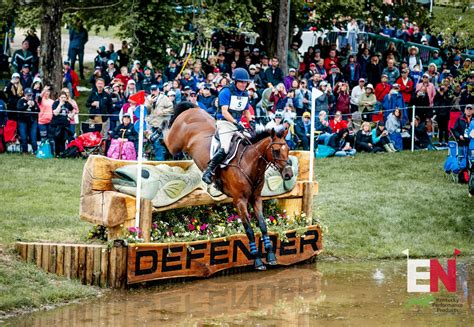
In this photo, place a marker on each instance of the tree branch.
(95, 7)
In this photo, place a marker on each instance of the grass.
(373, 206)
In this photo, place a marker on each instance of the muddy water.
(328, 294)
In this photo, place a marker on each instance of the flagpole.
(311, 140)
(139, 167)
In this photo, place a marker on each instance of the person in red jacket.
(406, 86)
(331, 60)
(382, 89)
(337, 124)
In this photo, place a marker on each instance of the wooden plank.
(23, 249)
(112, 267)
(120, 267)
(67, 261)
(82, 264)
(307, 202)
(38, 255)
(75, 262)
(45, 257)
(96, 268)
(30, 254)
(104, 267)
(146, 212)
(60, 260)
(151, 261)
(89, 265)
(52, 258)
(292, 206)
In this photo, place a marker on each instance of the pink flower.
(271, 218)
(169, 233)
(132, 229)
(203, 227)
(191, 227)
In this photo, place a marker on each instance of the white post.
(431, 7)
(139, 167)
(413, 129)
(311, 139)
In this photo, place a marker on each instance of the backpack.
(324, 151)
(44, 150)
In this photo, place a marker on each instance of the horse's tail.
(179, 109)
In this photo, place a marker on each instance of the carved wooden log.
(101, 204)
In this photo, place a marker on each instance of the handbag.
(44, 150)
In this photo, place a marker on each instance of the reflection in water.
(371, 293)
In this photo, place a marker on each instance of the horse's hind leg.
(241, 205)
(258, 209)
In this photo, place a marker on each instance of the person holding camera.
(63, 112)
(99, 104)
(28, 121)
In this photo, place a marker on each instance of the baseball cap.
(252, 67)
(110, 62)
(361, 79)
(312, 64)
(15, 75)
(170, 93)
(25, 66)
(469, 106)
(187, 87)
(28, 91)
(206, 86)
(131, 81)
(278, 114)
(324, 83)
(384, 75)
(154, 87)
(256, 50)
(370, 86)
(137, 62)
(66, 62)
(306, 114)
(292, 70)
(396, 86)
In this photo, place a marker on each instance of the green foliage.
(455, 24)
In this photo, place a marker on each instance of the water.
(326, 293)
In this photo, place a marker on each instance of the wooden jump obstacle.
(122, 265)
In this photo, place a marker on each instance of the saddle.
(237, 139)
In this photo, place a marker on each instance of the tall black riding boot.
(215, 161)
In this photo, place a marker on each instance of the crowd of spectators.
(363, 101)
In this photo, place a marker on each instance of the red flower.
(191, 227)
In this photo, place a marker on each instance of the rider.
(233, 103)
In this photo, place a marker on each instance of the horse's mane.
(262, 132)
(179, 109)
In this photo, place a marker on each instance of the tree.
(283, 30)
(51, 61)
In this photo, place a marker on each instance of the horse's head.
(277, 152)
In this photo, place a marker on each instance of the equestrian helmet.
(240, 74)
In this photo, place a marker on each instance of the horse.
(191, 130)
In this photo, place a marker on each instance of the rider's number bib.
(238, 103)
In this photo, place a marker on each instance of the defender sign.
(203, 258)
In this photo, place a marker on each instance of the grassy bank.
(374, 206)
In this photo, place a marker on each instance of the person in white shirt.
(356, 93)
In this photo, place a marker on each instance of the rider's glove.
(240, 128)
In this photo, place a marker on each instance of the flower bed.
(207, 223)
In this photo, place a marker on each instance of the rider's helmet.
(240, 74)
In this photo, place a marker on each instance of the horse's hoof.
(271, 259)
(259, 265)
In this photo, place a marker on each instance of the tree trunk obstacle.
(122, 265)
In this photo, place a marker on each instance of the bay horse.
(191, 130)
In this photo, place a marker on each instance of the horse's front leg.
(241, 205)
(267, 243)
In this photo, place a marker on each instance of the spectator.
(367, 102)
(99, 104)
(430, 88)
(364, 61)
(124, 140)
(274, 74)
(323, 102)
(26, 79)
(278, 97)
(341, 143)
(374, 70)
(456, 67)
(123, 56)
(70, 79)
(60, 124)
(352, 71)
(110, 73)
(334, 77)
(352, 33)
(422, 139)
(294, 57)
(206, 100)
(331, 60)
(95, 76)
(433, 75)
(381, 90)
(111, 54)
(443, 103)
(101, 59)
(34, 44)
(461, 125)
(124, 76)
(391, 51)
(406, 86)
(394, 128)
(343, 99)
(22, 56)
(393, 100)
(14, 92)
(74, 115)
(416, 75)
(289, 78)
(413, 58)
(380, 138)
(303, 130)
(436, 59)
(28, 121)
(78, 37)
(147, 80)
(118, 101)
(391, 71)
(364, 140)
(46, 113)
(357, 91)
(322, 126)
(337, 124)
